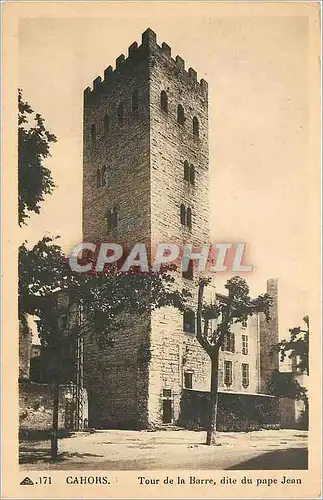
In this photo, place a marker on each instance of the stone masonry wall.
(116, 377)
(171, 144)
(36, 407)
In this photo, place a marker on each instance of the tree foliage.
(34, 179)
(106, 297)
(235, 307)
(297, 346)
(284, 384)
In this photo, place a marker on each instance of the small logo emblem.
(27, 480)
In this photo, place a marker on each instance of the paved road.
(141, 450)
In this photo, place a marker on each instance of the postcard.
(161, 250)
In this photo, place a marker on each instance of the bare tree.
(235, 307)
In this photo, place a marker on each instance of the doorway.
(167, 411)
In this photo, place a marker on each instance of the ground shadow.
(28, 455)
(42, 435)
(293, 458)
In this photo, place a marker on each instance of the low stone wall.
(236, 412)
(36, 407)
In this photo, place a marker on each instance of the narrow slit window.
(189, 217)
(98, 178)
(180, 114)
(114, 217)
(106, 124)
(109, 220)
(192, 175)
(164, 101)
(183, 214)
(93, 133)
(186, 171)
(196, 127)
(104, 176)
(120, 113)
(135, 100)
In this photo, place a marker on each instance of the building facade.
(146, 179)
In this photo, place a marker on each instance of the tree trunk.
(211, 432)
(54, 436)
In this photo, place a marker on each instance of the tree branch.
(202, 336)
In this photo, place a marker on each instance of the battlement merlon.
(149, 46)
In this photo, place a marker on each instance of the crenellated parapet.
(138, 53)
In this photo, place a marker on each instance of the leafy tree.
(235, 307)
(34, 179)
(284, 384)
(106, 297)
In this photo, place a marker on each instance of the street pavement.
(171, 449)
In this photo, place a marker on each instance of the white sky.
(257, 71)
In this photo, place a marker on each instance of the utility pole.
(54, 436)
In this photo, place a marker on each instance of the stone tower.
(269, 336)
(145, 179)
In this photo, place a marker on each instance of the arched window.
(93, 133)
(189, 321)
(189, 217)
(98, 178)
(135, 101)
(104, 176)
(189, 273)
(111, 218)
(186, 171)
(106, 124)
(192, 174)
(183, 214)
(63, 322)
(164, 101)
(120, 112)
(180, 114)
(195, 127)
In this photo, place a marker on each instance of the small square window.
(167, 393)
(189, 273)
(188, 380)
